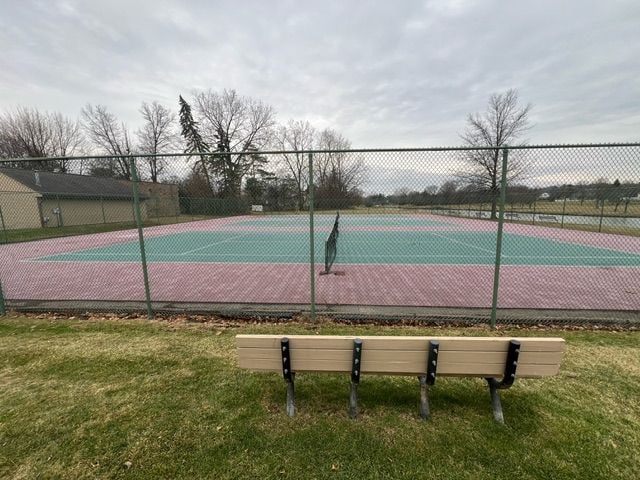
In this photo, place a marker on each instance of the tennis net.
(330, 246)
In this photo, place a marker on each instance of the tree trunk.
(494, 206)
(206, 174)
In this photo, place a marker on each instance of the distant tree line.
(223, 131)
(224, 134)
(453, 193)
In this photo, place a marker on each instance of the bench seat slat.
(401, 368)
(410, 356)
(401, 343)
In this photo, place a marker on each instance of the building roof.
(70, 185)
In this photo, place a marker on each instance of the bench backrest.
(458, 356)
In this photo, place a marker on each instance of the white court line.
(137, 255)
(462, 243)
(212, 244)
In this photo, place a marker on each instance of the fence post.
(601, 215)
(4, 227)
(312, 256)
(564, 206)
(60, 221)
(496, 271)
(104, 217)
(143, 256)
(3, 307)
(534, 211)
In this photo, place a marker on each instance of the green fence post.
(564, 207)
(104, 217)
(534, 212)
(4, 227)
(312, 256)
(60, 221)
(496, 272)
(143, 256)
(3, 307)
(601, 215)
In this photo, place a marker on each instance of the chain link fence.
(535, 234)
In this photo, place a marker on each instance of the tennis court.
(393, 259)
(417, 244)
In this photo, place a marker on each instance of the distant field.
(146, 400)
(555, 208)
(634, 232)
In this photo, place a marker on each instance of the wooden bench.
(498, 360)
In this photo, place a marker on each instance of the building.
(31, 199)
(162, 198)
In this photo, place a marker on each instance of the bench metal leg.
(291, 396)
(496, 404)
(425, 412)
(353, 400)
(513, 354)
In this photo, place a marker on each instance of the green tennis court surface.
(353, 220)
(354, 247)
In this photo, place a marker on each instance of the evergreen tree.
(193, 140)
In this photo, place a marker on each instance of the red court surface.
(31, 272)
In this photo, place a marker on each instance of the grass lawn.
(82, 398)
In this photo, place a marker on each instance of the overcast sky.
(386, 73)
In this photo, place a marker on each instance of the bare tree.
(110, 136)
(338, 173)
(297, 136)
(67, 139)
(503, 122)
(27, 132)
(345, 167)
(157, 135)
(234, 125)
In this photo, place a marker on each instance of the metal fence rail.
(543, 234)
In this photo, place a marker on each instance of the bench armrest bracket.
(288, 375)
(356, 361)
(356, 368)
(432, 362)
(286, 359)
(429, 379)
(510, 367)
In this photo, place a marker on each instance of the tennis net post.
(3, 306)
(331, 246)
(4, 228)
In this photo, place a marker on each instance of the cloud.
(384, 74)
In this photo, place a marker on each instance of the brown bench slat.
(401, 368)
(498, 344)
(409, 356)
